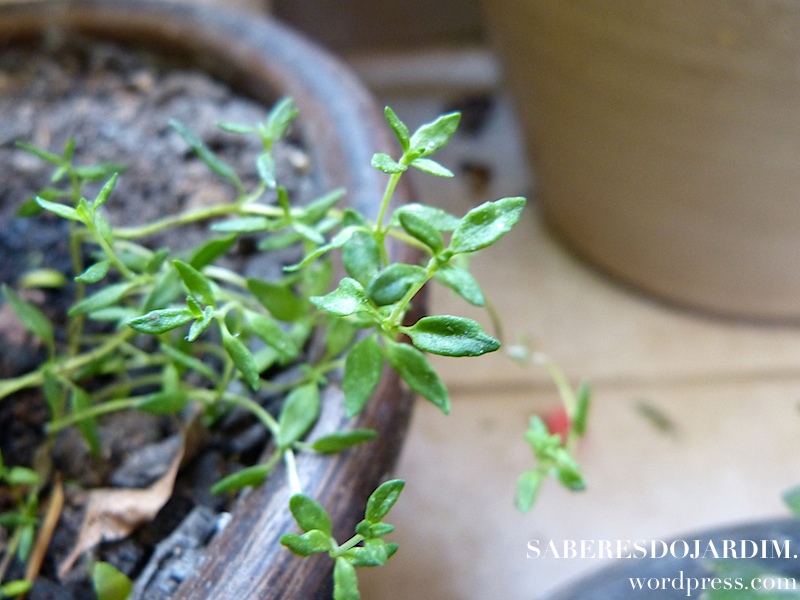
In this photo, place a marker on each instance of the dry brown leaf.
(114, 513)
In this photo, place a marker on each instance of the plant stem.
(291, 469)
(255, 408)
(380, 230)
(397, 314)
(348, 545)
(93, 411)
(193, 216)
(35, 378)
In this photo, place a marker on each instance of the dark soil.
(117, 104)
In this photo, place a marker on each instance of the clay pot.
(665, 141)
(341, 129)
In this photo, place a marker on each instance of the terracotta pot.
(341, 129)
(665, 141)
(671, 565)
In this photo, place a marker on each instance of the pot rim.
(342, 128)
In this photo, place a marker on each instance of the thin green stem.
(111, 253)
(193, 216)
(36, 378)
(393, 320)
(255, 408)
(92, 412)
(380, 229)
(348, 545)
(291, 470)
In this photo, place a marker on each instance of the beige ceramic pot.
(665, 140)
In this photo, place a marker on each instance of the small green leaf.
(319, 208)
(83, 211)
(435, 217)
(200, 324)
(451, 336)
(392, 283)
(30, 208)
(384, 162)
(432, 136)
(361, 256)
(280, 117)
(417, 372)
(362, 372)
(339, 336)
(421, 230)
(160, 321)
(164, 403)
(207, 156)
(309, 514)
(336, 442)
(190, 362)
(299, 412)
(211, 251)
(46, 156)
(248, 477)
(26, 538)
(155, 262)
(197, 283)
(42, 278)
(461, 282)
(568, 471)
(31, 317)
(399, 128)
(15, 588)
(101, 299)
(308, 233)
(62, 210)
(485, 224)
(581, 409)
(345, 581)
(166, 290)
(528, 486)
(22, 476)
(383, 499)
(278, 299)
(80, 401)
(99, 171)
(105, 192)
(349, 298)
(339, 240)
(110, 583)
(242, 358)
(431, 167)
(255, 224)
(311, 542)
(272, 333)
(236, 128)
(380, 529)
(265, 165)
(94, 273)
(104, 229)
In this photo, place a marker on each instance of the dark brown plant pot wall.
(666, 141)
(341, 128)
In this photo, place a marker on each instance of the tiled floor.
(722, 446)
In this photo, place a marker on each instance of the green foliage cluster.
(182, 328)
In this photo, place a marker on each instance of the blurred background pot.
(665, 141)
